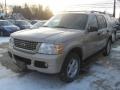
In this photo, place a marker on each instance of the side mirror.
(92, 29)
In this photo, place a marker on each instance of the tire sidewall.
(64, 75)
(113, 37)
(106, 53)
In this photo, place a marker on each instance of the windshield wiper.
(44, 26)
(60, 27)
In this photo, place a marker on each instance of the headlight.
(11, 42)
(46, 48)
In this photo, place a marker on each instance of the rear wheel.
(71, 68)
(113, 37)
(107, 48)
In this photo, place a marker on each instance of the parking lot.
(59, 45)
(101, 73)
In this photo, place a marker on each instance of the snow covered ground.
(4, 40)
(103, 74)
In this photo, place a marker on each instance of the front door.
(91, 39)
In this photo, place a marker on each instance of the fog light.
(41, 64)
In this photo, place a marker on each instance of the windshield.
(22, 23)
(39, 24)
(5, 23)
(70, 21)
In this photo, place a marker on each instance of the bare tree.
(33, 12)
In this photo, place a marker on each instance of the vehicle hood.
(47, 34)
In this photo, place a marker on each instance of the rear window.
(5, 23)
(101, 21)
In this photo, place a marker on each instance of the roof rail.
(93, 11)
(99, 12)
(88, 11)
(75, 11)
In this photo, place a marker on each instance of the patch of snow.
(35, 81)
(1, 55)
(4, 40)
(101, 77)
(3, 50)
(116, 49)
(4, 72)
(116, 56)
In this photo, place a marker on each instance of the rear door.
(91, 38)
(102, 31)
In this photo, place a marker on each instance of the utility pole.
(5, 8)
(119, 13)
(114, 8)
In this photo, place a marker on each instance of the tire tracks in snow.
(5, 72)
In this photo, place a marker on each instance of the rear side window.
(93, 22)
(101, 22)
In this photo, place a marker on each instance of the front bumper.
(52, 63)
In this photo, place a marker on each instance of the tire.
(70, 70)
(113, 37)
(107, 48)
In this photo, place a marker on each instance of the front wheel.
(71, 68)
(107, 48)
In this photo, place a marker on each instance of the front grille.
(24, 44)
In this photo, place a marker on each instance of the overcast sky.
(56, 1)
(59, 5)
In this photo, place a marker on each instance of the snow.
(2, 51)
(4, 40)
(116, 49)
(4, 72)
(1, 55)
(35, 81)
(38, 81)
(100, 77)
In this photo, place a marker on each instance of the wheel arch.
(75, 49)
